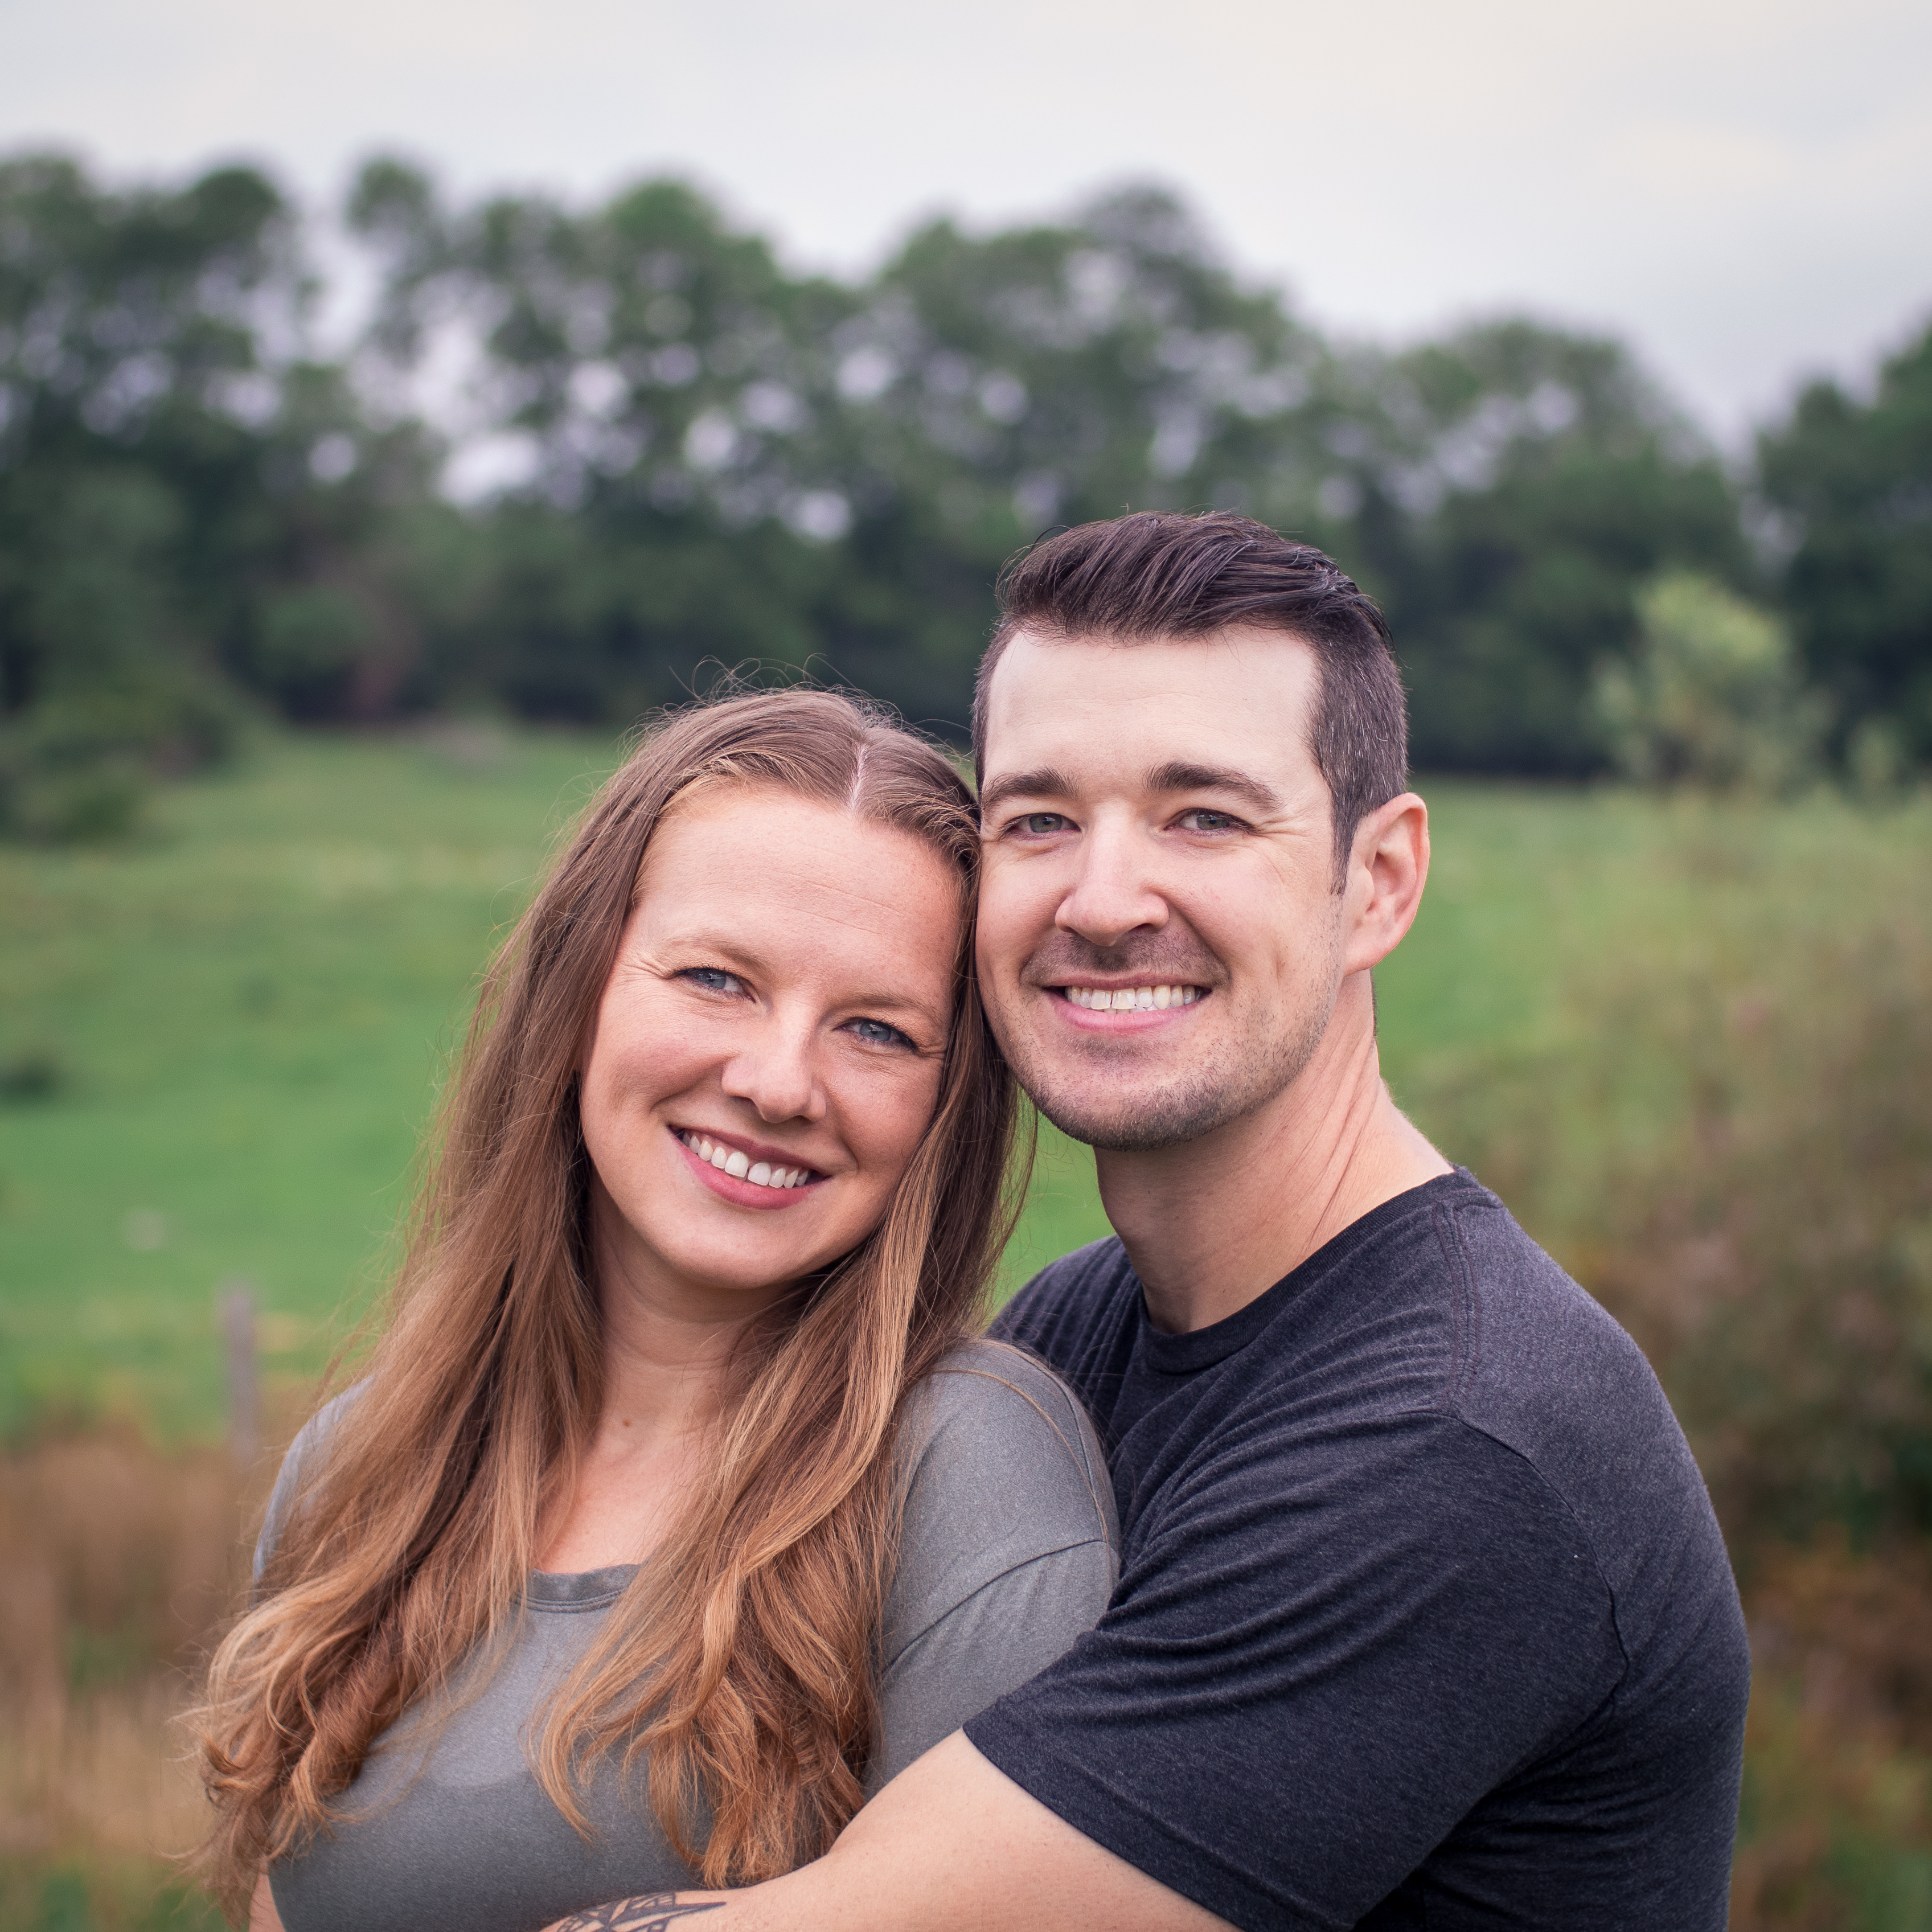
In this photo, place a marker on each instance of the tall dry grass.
(118, 1562)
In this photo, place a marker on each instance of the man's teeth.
(741, 1167)
(1131, 999)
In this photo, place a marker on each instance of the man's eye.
(714, 978)
(1208, 821)
(876, 1032)
(1040, 824)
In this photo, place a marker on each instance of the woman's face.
(767, 1053)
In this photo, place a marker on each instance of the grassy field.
(217, 1045)
(1690, 1042)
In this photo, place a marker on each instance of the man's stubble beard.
(1232, 1085)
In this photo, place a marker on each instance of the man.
(1423, 1618)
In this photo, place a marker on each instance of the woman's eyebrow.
(1179, 776)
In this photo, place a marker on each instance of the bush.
(1726, 1136)
(1712, 696)
(77, 766)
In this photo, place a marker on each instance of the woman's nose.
(775, 1074)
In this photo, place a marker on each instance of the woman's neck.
(667, 1357)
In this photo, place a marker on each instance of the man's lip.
(753, 1150)
(1062, 989)
(1132, 986)
(1127, 1019)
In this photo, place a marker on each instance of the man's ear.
(1388, 866)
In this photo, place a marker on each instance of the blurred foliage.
(1718, 1119)
(1710, 694)
(1721, 1126)
(579, 450)
(1854, 480)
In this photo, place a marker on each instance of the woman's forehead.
(747, 855)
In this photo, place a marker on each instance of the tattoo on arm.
(655, 1911)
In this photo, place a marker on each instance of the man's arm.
(951, 1845)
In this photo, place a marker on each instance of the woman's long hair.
(746, 1662)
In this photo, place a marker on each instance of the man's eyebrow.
(1183, 777)
(1044, 783)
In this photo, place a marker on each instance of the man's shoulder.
(1548, 1373)
(1079, 1315)
(1090, 1282)
(1539, 1355)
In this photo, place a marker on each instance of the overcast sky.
(1742, 187)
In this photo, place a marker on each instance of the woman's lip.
(741, 1193)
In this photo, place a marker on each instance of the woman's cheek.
(900, 1123)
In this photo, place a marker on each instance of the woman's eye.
(1203, 821)
(713, 979)
(876, 1032)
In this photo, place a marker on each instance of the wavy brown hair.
(746, 1662)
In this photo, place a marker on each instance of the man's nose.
(776, 1072)
(1115, 893)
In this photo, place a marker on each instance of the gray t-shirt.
(1008, 1553)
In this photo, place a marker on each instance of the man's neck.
(1213, 1222)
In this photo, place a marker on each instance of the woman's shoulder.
(305, 1456)
(991, 1389)
(1003, 1468)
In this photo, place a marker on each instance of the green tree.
(1855, 481)
(187, 507)
(996, 386)
(127, 326)
(1519, 485)
(649, 400)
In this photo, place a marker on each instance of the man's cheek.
(1006, 933)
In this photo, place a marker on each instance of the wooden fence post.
(237, 1317)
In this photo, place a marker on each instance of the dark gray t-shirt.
(1423, 1618)
(1007, 1555)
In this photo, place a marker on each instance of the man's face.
(1159, 941)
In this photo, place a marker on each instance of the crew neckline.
(578, 1589)
(1202, 1347)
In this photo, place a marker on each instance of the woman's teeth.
(1131, 999)
(741, 1167)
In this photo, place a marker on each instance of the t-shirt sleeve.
(299, 1466)
(1284, 1746)
(1007, 1552)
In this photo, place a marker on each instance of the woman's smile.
(752, 1176)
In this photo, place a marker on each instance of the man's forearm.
(951, 1845)
(652, 1912)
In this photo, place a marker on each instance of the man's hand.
(951, 1845)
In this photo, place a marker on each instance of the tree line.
(577, 452)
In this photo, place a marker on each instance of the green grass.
(244, 1012)
(247, 1010)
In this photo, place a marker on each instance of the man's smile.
(1142, 999)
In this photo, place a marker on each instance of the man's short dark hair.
(1159, 574)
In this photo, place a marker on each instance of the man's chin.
(1136, 1123)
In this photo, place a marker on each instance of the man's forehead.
(1159, 700)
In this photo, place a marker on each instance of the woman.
(676, 1512)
